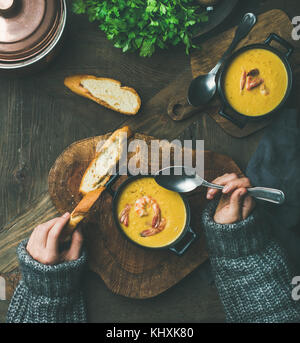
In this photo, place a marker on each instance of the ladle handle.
(245, 26)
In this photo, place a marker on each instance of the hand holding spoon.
(203, 88)
(182, 179)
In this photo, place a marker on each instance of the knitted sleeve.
(251, 270)
(47, 294)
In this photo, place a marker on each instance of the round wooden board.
(127, 269)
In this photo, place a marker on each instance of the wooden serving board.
(204, 60)
(127, 269)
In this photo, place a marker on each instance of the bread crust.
(74, 84)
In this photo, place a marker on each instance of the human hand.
(43, 244)
(234, 204)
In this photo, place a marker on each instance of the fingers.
(236, 202)
(54, 233)
(222, 181)
(44, 241)
(230, 183)
(37, 243)
(40, 233)
(76, 245)
(237, 183)
(248, 206)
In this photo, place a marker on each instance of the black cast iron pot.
(179, 246)
(230, 113)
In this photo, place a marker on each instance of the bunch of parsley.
(144, 24)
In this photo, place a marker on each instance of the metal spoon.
(203, 88)
(182, 179)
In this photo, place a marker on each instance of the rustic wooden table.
(39, 117)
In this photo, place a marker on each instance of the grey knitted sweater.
(251, 271)
(48, 294)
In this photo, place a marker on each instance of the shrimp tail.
(156, 220)
(149, 232)
(153, 231)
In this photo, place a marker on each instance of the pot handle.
(183, 249)
(283, 42)
(110, 184)
(239, 122)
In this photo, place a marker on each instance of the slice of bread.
(99, 170)
(106, 92)
(84, 206)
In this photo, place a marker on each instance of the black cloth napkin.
(276, 164)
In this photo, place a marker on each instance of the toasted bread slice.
(98, 172)
(84, 206)
(106, 92)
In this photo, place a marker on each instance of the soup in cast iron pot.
(256, 82)
(150, 215)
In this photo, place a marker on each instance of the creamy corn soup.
(269, 82)
(149, 214)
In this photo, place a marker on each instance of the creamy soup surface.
(256, 102)
(172, 212)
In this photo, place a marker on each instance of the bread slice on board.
(99, 170)
(106, 92)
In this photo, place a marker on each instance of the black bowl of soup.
(255, 81)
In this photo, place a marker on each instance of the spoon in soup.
(182, 180)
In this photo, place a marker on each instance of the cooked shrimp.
(254, 83)
(243, 79)
(142, 203)
(248, 81)
(124, 215)
(140, 206)
(264, 90)
(157, 216)
(158, 223)
(154, 230)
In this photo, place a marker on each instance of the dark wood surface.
(39, 118)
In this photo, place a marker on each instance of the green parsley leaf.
(144, 25)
